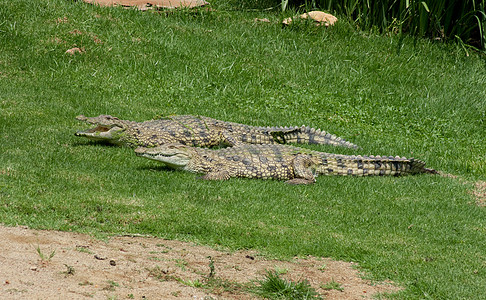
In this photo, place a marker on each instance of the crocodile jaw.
(107, 128)
(102, 133)
(174, 158)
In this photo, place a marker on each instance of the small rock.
(150, 4)
(320, 17)
(74, 50)
(112, 262)
(264, 20)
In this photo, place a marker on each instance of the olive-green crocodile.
(199, 131)
(283, 162)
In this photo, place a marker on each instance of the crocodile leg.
(302, 170)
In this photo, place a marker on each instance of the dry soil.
(38, 264)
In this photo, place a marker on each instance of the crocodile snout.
(81, 118)
(140, 150)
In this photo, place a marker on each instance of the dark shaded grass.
(445, 20)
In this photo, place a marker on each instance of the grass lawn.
(419, 98)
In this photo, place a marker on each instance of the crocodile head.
(173, 155)
(107, 128)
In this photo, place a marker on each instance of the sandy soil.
(82, 267)
(480, 192)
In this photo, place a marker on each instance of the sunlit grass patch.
(423, 232)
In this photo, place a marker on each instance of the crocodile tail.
(416, 166)
(371, 166)
(308, 135)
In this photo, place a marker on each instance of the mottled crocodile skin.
(283, 162)
(199, 131)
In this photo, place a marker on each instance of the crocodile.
(199, 131)
(282, 162)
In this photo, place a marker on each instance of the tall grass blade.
(284, 4)
(429, 18)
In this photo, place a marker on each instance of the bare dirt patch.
(148, 4)
(480, 192)
(38, 264)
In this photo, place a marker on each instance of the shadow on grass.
(161, 168)
(93, 143)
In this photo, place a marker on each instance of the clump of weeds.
(275, 287)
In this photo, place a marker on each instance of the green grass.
(332, 285)
(464, 21)
(275, 287)
(415, 98)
